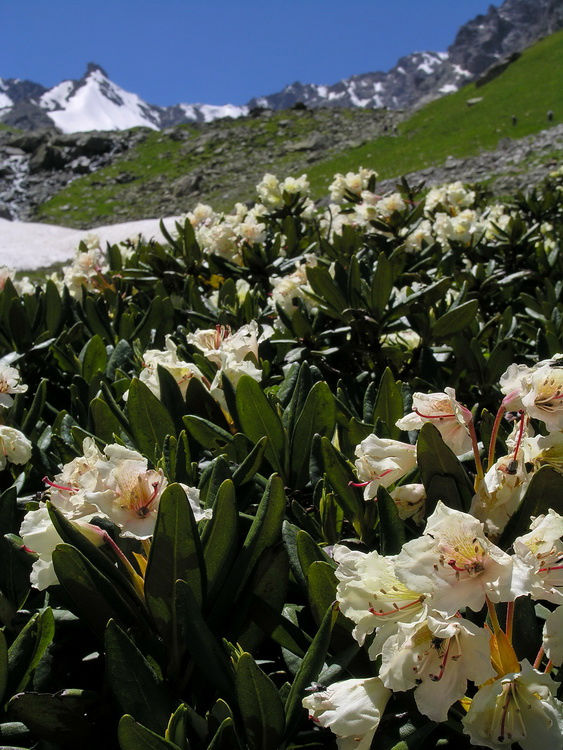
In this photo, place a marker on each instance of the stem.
(494, 434)
(509, 620)
(493, 615)
(539, 657)
(548, 667)
(474, 443)
(136, 579)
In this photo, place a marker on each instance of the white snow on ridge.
(56, 97)
(5, 101)
(90, 108)
(447, 88)
(458, 70)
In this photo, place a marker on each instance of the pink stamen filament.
(58, 486)
(539, 658)
(452, 564)
(381, 613)
(436, 677)
(551, 567)
(520, 433)
(433, 416)
(365, 484)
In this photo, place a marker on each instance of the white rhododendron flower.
(131, 491)
(437, 657)
(518, 708)
(352, 182)
(537, 390)
(461, 228)
(500, 493)
(270, 190)
(410, 500)
(381, 461)
(544, 450)
(417, 237)
(553, 636)
(15, 448)
(221, 345)
(538, 559)
(40, 536)
(351, 709)
(445, 413)
(452, 196)
(455, 562)
(370, 594)
(181, 371)
(294, 286)
(9, 384)
(86, 270)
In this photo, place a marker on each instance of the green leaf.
(202, 645)
(133, 681)
(65, 718)
(175, 553)
(258, 419)
(318, 416)
(339, 474)
(455, 320)
(26, 651)
(389, 403)
(135, 736)
(309, 671)
(93, 357)
(308, 551)
(251, 463)
(391, 528)
(264, 532)
(94, 598)
(326, 289)
(321, 584)
(207, 434)
(36, 409)
(3, 666)
(545, 491)
(150, 421)
(104, 421)
(443, 477)
(382, 284)
(260, 706)
(220, 537)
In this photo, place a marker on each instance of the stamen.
(432, 416)
(436, 677)
(58, 486)
(381, 613)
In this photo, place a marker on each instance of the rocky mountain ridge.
(96, 103)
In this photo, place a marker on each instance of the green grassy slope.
(528, 88)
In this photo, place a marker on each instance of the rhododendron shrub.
(290, 477)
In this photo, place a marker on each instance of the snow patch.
(447, 88)
(459, 71)
(5, 101)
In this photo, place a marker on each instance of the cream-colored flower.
(370, 594)
(500, 493)
(538, 390)
(10, 383)
(445, 413)
(553, 636)
(15, 448)
(437, 657)
(455, 563)
(453, 197)
(410, 500)
(294, 286)
(538, 559)
(86, 270)
(181, 371)
(380, 461)
(518, 708)
(130, 492)
(351, 709)
(352, 182)
(40, 536)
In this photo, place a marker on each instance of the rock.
(46, 157)
(5, 212)
(187, 184)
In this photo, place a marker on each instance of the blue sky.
(216, 51)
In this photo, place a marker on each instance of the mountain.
(482, 46)
(95, 103)
(421, 76)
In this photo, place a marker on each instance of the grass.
(448, 126)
